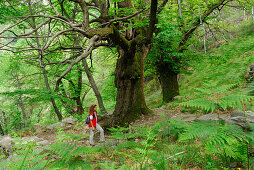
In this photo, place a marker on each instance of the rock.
(32, 138)
(250, 74)
(70, 120)
(6, 143)
(54, 126)
(44, 143)
(248, 114)
(211, 116)
(236, 113)
(239, 121)
(186, 117)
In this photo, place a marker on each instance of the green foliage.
(165, 45)
(27, 156)
(224, 140)
(70, 155)
(212, 96)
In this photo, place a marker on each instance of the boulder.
(44, 143)
(248, 114)
(70, 120)
(186, 118)
(6, 143)
(54, 126)
(236, 113)
(239, 121)
(212, 116)
(32, 138)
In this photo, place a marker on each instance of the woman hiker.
(94, 125)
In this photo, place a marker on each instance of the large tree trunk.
(129, 83)
(94, 86)
(168, 81)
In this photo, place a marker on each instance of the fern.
(198, 130)
(211, 97)
(200, 103)
(234, 100)
(27, 156)
(66, 151)
(224, 140)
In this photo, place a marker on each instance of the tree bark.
(129, 83)
(94, 86)
(168, 81)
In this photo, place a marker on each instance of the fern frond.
(84, 150)
(234, 100)
(199, 130)
(225, 88)
(200, 103)
(63, 150)
(203, 91)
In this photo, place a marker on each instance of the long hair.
(91, 110)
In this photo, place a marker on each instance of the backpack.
(88, 119)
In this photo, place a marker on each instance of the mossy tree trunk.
(168, 81)
(129, 83)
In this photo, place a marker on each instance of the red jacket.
(95, 119)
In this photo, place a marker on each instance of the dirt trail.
(157, 116)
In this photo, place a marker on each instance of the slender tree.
(42, 64)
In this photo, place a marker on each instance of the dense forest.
(173, 81)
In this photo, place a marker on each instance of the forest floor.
(159, 115)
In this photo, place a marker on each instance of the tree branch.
(88, 50)
(196, 24)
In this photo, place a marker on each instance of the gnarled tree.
(123, 28)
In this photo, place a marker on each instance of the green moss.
(103, 33)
